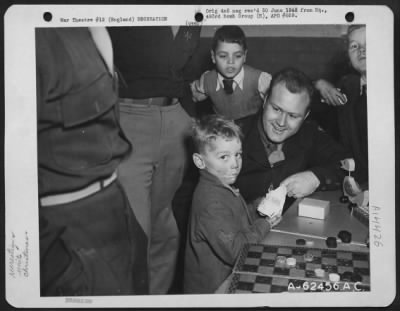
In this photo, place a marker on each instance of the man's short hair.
(207, 129)
(230, 34)
(295, 81)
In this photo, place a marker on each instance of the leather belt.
(152, 101)
(70, 197)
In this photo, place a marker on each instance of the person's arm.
(197, 88)
(224, 233)
(264, 82)
(329, 94)
(252, 205)
(323, 171)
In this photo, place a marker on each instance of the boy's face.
(284, 113)
(357, 50)
(222, 159)
(228, 58)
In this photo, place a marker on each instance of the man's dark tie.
(228, 83)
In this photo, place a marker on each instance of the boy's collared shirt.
(238, 81)
(263, 82)
(363, 85)
(243, 101)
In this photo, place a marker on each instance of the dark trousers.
(93, 246)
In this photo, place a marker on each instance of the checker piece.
(331, 242)
(300, 242)
(281, 261)
(291, 262)
(334, 277)
(308, 257)
(320, 273)
(345, 236)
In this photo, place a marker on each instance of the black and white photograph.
(199, 156)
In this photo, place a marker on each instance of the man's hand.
(329, 94)
(301, 184)
(274, 220)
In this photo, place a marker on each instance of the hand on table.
(331, 95)
(301, 184)
(274, 220)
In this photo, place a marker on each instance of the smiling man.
(283, 147)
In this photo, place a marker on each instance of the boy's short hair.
(295, 81)
(209, 128)
(350, 29)
(230, 34)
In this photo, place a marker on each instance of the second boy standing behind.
(221, 223)
(235, 89)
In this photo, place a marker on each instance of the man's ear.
(265, 100)
(308, 112)
(198, 161)
(212, 56)
(245, 55)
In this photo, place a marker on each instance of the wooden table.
(293, 227)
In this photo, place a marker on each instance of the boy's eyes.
(225, 156)
(355, 46)
(226, 55)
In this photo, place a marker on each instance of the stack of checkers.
(273, 268)
(361, 214)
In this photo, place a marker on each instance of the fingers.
(193, 87)
(290, 184)
(287, 181)
(334, 97)
(275, 220)
(201, 82)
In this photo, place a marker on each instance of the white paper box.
(314, 208)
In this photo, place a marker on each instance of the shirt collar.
(269, 146)
(216, 181)
(363, 81)
(238, 80)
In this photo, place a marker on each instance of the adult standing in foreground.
(90, 241)
(151, 61)
(282, 147)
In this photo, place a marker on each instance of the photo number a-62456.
(324, 286)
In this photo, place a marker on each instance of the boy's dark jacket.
(220, 225)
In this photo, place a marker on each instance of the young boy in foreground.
(221, 223)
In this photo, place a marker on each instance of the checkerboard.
(257, 269)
